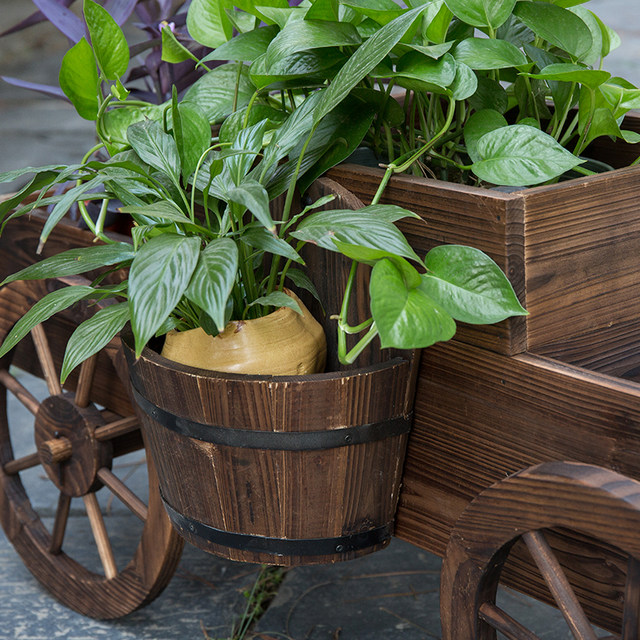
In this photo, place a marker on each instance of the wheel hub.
(68, 450)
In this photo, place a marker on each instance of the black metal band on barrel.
(274, 440)
(279, 546)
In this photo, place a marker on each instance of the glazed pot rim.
(153, 357)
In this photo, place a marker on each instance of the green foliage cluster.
(299, 89)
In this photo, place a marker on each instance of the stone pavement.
(392, 595)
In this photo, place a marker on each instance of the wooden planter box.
(570, 249)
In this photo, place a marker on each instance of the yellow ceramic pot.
(281, 343)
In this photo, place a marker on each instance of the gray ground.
(391, 595)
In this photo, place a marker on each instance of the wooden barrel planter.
(280, 470)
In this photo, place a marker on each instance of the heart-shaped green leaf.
(305, 35)
(557, 26)
(482, 13)
(469, 285)
(482, 54)
(405, 318)
(159, 275)
(222, 90)
(109, 43)
(480, 123)
(520, 155)
(208, 22)
(79, 79)
(277, 299)
(92, 335)
(563, 72)
(245, 47)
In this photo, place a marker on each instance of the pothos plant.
(506, 92)
(208, 244)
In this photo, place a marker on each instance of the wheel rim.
(75, 444)
(590, 500)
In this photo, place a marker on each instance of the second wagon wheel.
(79, 433)
(589, 500)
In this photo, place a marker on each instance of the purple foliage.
(48, 90)
(120, 10)
(62, 18)
(33, 19)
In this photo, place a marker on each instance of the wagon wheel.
(75, 444)
(586, 499)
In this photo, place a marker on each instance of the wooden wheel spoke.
(85, 380)
(19, 391)
(116, 429)
(631, 613)
(559, 586)
(20, 464)
(60, 523)
(100, 535)
(46, 359)
(123, 493)
(504, 623)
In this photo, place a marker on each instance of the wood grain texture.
(481, 416)
(597, 502)
(321, 493)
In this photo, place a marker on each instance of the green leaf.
(213, 279)
(300, 70)
(305, 35)
(68, 198)
(479, 123)
(557, 26)
(215, 92)
(208, 23)
(563, 72)
(253, 196)
(245, 47)
(42, 311)
(109, 44)
(163, 211)
(405, 318)
(75, 261)
(195, 137)
(465, 84)
(621, 95)
(260, 238)
(93, 335)
(324, 10)
(159, 275)
(362, 62)
(172, 49)
(116, 122)
(381, 11)
(156, 148)
(79, 79)
(591, 57)
(277, 299)
(490, 94)
(520, 155)
(248, 140)
(437, 19)
(432, 74)
(483, 54)
(370, 257)
(362, 228)
(482, 13)
(302, 281)
(469, 285)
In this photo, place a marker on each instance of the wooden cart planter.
(487, 405)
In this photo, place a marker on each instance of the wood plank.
(582, 255)
(481, 416)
